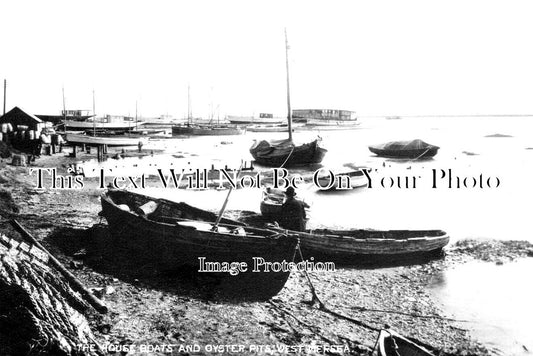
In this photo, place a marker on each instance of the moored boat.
(107, 122)
(176, 235)
(326, 117)
(206, 130)
(271, 128)
(263, 119)
(331, 180)
(285, 153)
(112, 140)
(390, 343)
(414, 149)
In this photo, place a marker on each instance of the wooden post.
(74, 151)
(105, 149)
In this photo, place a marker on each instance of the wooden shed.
(19, 118)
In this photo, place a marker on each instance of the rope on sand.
(322, 306)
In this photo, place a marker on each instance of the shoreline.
(160, 311)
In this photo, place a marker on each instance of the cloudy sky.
(374, 57)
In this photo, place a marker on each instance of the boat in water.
(326, 118)
(414, 149)
(263, 119)
(272, 128)
(111, 140)
(390, 343)
(341, 179)
(107, 122)
(67, 115)
(286, 153)
(174, 235)
(193, 127)
(206, 130)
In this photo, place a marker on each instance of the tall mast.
(135, 114)
(189, 113)
(289, 115)
(5, 86)
(64, 110)
(94, 116)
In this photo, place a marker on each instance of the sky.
(372, 57)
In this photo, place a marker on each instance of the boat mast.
(189, 114)
(135, 115)
(5, 86)
(64, 110)
(94, 117)
(289, 115)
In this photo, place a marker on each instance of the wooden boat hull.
(206, 131)
(285, 154)
(414, 149)
(348, 180)
(332, 123)
(272, 128)
(249, 120)
(105, 140)
(383, 247)
(418, 153)
(86, 125)
(363, 246)
(176, 244)
(391, 343)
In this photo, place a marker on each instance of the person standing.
(292, 212)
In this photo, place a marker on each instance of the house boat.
(325, 117)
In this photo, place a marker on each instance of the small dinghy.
(390, 343)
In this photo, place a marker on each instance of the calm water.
(500, 213)
(494, 297)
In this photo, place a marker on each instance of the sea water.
(471, 149)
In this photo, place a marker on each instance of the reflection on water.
(496, 298)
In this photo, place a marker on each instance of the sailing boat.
(285, 153)
(194, 129)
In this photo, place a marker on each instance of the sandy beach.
(154, 314)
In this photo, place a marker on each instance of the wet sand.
(158, 311)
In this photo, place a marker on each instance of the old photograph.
(266, 178)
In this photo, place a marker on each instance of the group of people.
(50, 142)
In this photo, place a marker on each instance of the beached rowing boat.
(414, 149)
(390, 343)
(361, 246)
(367, 246)
(173, 235)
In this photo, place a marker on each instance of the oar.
(215, 227)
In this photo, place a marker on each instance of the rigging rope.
(290, 153)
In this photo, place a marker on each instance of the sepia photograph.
(266, 178)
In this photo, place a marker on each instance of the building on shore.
(20, 120)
